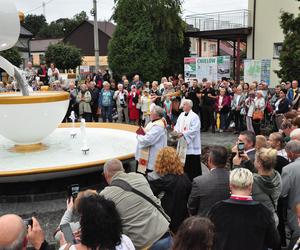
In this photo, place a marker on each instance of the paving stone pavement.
(49, 212)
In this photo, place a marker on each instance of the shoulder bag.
(127, 187)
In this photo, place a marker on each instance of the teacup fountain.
(26, 118)
(33, 144)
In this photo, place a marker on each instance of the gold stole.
(144, 152)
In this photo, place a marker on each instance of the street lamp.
(96, 36)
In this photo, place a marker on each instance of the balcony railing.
(219, 20)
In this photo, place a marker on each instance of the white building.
(266, 38)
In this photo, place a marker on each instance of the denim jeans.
(162, 244)
(106, 113)
(223, 119)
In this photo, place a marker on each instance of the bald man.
(14, 235)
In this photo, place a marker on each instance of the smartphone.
(241, 148)
(28, 222)
(73, 191)
(68, 234)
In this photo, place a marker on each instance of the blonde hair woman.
(261, 142)
(267, 182)
(169, 182)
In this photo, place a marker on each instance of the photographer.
(16, 233)
(100, 225)
(120, 96)
(245, 151)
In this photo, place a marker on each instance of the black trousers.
(192, 166)
(238, 120)
(256, 126)
(208, 117)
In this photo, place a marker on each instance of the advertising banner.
(189, 68)
(266, 70)
(252, 71)
(223, 67)
(211, 68)
(207, 67)
(257, 70)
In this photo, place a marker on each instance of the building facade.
(266, 38)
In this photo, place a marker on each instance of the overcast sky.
(56, 9)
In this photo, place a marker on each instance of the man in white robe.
(189, 143)
(155, 138)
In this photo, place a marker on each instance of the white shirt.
(189, 126)
(220, 100)
(126, 244)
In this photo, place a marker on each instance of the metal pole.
(96, 36)
(44, 9)
(238, 61)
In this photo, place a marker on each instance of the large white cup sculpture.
(25, 118)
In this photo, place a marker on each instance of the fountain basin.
(27, 120)
(63, 156)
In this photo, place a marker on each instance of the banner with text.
(211, 68)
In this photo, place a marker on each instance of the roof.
(41, 45)
(106, 27)
(25, 32)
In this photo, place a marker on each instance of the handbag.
(258, 115)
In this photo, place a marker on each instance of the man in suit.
(245, 160)
(212, 187)
(291, 188)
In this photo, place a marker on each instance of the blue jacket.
(110, 101)
(290, 94)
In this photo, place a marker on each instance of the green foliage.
(290, 53)
(12, 55)
(56, 29)
(149, 39)
(64, 56)
(34, 23)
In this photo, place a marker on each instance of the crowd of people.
(228, 208)
(245, 200)
(222, 106)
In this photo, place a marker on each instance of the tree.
(12, 55)
(290, 53)
(148, 40)
(64, 56)
(62, 26)
(34, 23)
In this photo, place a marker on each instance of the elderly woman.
(236, 106)
(169, 182)
(100, 217)
(240, 222)
(222, 107)
(133, 99)
(53, 73)
(84, 99)
(121, 99)
(106, 102)
(259, 108)
(267, 182)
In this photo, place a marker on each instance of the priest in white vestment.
(154, 139)
(189, 143)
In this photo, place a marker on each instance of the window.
(277, 50)
(204, 46)
(213, 47)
